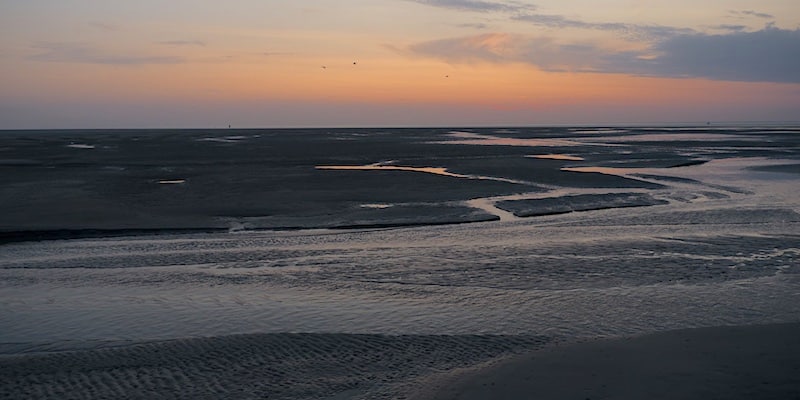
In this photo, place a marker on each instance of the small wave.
(376, 206)
(225, 139)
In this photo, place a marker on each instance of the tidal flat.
(382, 263)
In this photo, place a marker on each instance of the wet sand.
(63, 184)
(693, 230)
(746, 362)
(272, 366)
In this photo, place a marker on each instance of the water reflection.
(428, 170)
(603, 170)
(489, 205)
(598, 131)
(376, 206)
(383, 167)
(721, 174)
(636, 174)
(565, 157)
(734, 166)
(470, 138)
(226, 139)
(662, 137)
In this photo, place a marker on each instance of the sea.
(366, 263)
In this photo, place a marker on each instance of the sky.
(348, 63)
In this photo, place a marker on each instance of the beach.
(742, 362)
(644, 262)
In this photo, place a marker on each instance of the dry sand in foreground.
(750, 362)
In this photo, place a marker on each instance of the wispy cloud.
(493, 47)
(729, 27)
(476, 25)
(85, 54)
(198, 43)
(634, 31)
(544, 52)
(768, 55)
(750, 13)
(480, 6)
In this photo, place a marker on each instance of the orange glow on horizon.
(498, 86)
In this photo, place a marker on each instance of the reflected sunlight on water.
(380, 167)
(428, 170)
(470, 138)
(565, 157)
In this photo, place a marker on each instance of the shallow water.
(160, 313)
(613, 272)
(721, 248)
(427, 170)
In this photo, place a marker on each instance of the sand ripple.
(273, 366)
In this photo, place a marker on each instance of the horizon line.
(543, 125)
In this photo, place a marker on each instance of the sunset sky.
(312, 63)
